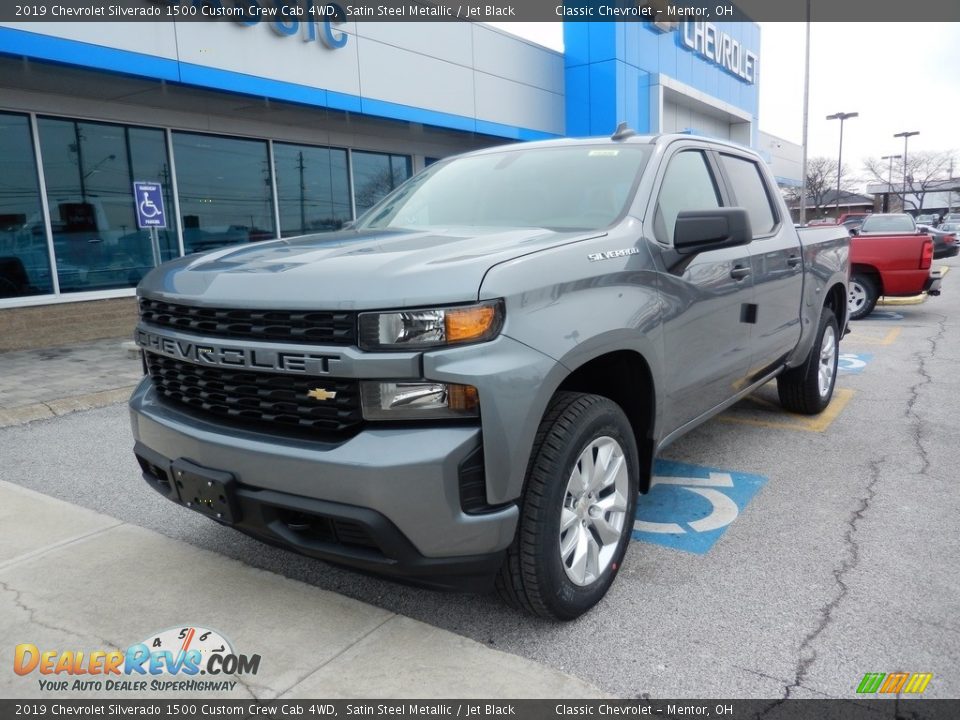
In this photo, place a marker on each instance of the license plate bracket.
(209, 492)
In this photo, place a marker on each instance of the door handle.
(793, 260)
(739, 272)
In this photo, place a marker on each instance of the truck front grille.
(271, 402)
(317, 327)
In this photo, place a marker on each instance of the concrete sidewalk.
(37, 384)
(73, 579)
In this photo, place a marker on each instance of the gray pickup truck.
(468, 387)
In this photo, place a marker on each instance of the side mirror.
(854, 231)
(699, 230)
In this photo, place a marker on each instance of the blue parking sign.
(689, 507)
(149, 200)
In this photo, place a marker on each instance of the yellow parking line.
(792, 421)
(856, 336)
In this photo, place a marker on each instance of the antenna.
(622, 132)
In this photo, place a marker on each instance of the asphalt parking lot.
(775, 556)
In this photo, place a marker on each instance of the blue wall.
(612, 69)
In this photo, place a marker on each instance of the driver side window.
(688, 184)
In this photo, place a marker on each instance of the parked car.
(597, 298)
(852, 221)
(889, 258)
(944, 241)
(951, 218)
(928, 220)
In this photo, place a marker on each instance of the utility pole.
(906, 135)
(806, 112)
(841, 116)
(891, 158)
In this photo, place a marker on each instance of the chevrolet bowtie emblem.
(321, 394)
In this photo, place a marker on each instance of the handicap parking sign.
(852, 363)
(689, 507)
(885, 315)
(149, 200)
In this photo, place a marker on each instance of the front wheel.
(577, 511)
(807, 389)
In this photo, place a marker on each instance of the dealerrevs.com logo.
(170, 660)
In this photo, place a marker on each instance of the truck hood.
(350, 269)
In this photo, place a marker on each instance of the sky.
(898, 76)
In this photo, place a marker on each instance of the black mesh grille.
(295, 326)
(271, 402)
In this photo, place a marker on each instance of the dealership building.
(253, 131)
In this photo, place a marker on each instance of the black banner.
(854, 709)
(287, 12)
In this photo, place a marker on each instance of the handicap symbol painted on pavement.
(690, 506)
(852, 363)
(884, 315)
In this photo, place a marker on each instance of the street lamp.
(891, 158)
(905, 135)
(841, 116)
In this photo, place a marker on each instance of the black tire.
(862, 296)
(800, 389)
(533, 577)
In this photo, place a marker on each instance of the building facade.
(266, 130)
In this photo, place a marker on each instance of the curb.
(64, 406)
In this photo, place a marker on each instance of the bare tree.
(822, 184)
(925, 171)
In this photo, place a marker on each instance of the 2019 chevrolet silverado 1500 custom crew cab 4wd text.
(470, 385)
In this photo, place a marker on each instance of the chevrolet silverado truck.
(889, 257)
(468, 387)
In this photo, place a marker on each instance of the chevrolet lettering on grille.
(207, 353)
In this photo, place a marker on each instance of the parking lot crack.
(33, 617)
(910, 413)
(851, 558)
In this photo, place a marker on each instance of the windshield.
(888, 223)
(577, 187)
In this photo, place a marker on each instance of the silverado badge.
(321, 394)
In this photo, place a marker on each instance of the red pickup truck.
(889, 257)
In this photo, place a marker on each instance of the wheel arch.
(836, 301)
(625, 377)
(871, 271)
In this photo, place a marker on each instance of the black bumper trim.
(266, 515)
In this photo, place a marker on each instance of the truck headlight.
(418, 400)
(431, 327)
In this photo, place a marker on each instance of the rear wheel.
(577, 510)
(807, 389)
(862, 296)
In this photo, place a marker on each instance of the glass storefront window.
(89, 169)
(313, 188)
(375, 175)
(225, 190)
(24, 258)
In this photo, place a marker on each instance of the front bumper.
(387, 500)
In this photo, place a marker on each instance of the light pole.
(806, 109)
(891, 158)
(841, 116)
(906, 136)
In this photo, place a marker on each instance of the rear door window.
(750, 192)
